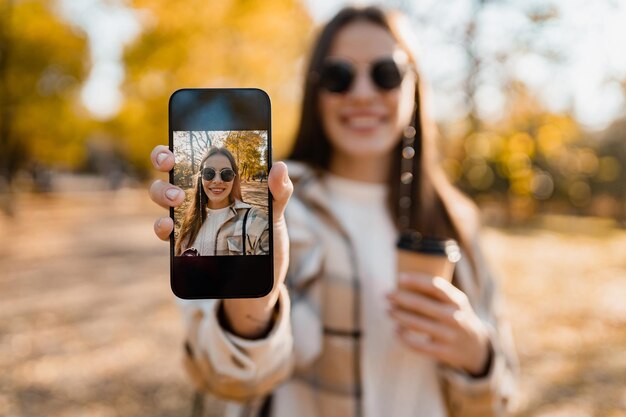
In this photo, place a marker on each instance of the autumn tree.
(42, 65)
(535, 161)
(247, 148)
(211, 44)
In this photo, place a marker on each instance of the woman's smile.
(217, 190)
(363, 121)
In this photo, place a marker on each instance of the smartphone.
(222, 243)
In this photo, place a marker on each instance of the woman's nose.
(363, 88)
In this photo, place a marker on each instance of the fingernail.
(161, 157)
(158, 225)
(172, 193)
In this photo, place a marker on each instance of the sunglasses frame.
(402, 69)
(215, 172)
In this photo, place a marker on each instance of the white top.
(397, 381)
(205, 241)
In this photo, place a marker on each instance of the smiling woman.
(346, 332)
(217, 221)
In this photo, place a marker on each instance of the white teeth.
(361, 122)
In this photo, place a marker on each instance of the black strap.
(243, 231)
(266, 409)
(197, 404)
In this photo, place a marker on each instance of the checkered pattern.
(325, 311)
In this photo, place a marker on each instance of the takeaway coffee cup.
(431, 256)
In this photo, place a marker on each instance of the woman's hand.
(247, 317)
(435, 318)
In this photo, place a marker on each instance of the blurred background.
(530, 99)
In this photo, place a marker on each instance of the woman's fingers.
(163, 227)
(436, 287)
(162, 158)
(165, 194)
(437, 350)
(416, 303)
(280, 187)
(422, 324)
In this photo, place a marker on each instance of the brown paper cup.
(430, 256)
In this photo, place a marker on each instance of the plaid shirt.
(316, 338)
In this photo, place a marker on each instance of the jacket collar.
(310, 189)
(307, 183)
(238, 204)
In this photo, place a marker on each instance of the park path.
(255, 193)
(88, 325)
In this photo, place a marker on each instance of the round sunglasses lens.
(227, 175)
(208, 174)
(386, 75)
(336, 77)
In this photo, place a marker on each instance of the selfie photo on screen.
(224, 175)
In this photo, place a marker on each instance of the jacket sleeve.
(260, 227)
(234, 368)
(231, 367)
(263, 244)
(494, 393)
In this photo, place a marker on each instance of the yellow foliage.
(587, 161)
(608, 169)
(550, 140)
(44, 67)
(212, 44)
(521, 142)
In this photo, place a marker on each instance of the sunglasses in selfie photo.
(337, 75)
(226, 174)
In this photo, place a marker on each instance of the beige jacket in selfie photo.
(229, 238)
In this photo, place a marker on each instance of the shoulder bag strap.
(243, 231)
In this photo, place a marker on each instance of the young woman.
(213, 223)
(341, 334)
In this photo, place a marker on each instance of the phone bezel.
(241, 276)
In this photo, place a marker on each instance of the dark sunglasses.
(337, 76)
(226, 174)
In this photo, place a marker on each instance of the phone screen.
(222, 244)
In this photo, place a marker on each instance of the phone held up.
(222, 244)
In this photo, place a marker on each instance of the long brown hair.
(195, 214)
(439, 209)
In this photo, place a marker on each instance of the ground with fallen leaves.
(89, 327)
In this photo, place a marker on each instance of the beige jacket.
(228, 240)
(315, 337)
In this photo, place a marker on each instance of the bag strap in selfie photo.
(243, 230)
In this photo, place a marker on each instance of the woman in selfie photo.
(343, 333)
(217, 218)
